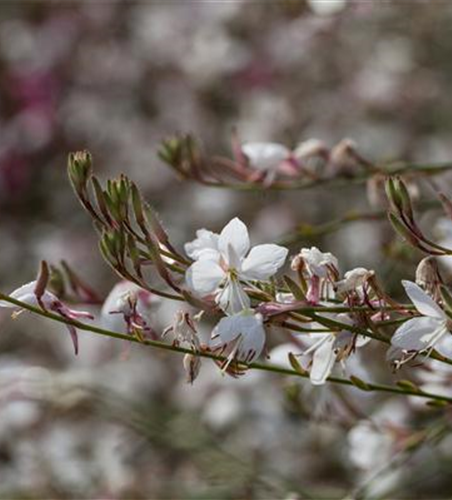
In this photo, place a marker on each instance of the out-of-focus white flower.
(265, 155)
(327, 7)
(127, 307)
(241, 336)
(223, 262)
(369, 446)
(425, 332)
(354, 279)
(47, 301)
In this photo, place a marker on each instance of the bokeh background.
(116, 78)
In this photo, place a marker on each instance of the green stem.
(204, 354)
(336, 182)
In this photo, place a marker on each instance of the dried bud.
(345, 159)
(42, 280)
(192, 367)
(309, 149)
(428, 276)
(298, 264)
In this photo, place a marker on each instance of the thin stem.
(206, 354)
(336, 182)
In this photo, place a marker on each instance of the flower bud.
(79, 169)
(393, 195)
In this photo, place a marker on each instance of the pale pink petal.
(423, 302)
(204, 277)
(263, 261)
(235, 234)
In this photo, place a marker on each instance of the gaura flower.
(425, 332)
(240, 337)
(49, 302)
(318, 263)
(224, 261)
(127, 307)
(353, 280)
(265, 156)
(321, 270)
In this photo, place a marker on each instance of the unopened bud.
(405, 198)
(79, 169)
(192, 367)
(393, 195)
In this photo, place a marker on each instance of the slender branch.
(206, 354)
(336, 182)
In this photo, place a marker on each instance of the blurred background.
(116, 78)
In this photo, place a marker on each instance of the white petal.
(444, 344)
(265, 155)
(26, 294)
(25, 291)
(263, 261)
(204, 277)
(235, 234)
(248, 326)
(254, 340)
(423, 302)
(232, 299)
(323, 361)
(205, 245)
(417, 334)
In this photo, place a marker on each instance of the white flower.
(318, 263)
(241, 336)
(127, 307)
(222, 264)
(354, 279)
(47, 301)
(425, 332)
(265, 155)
